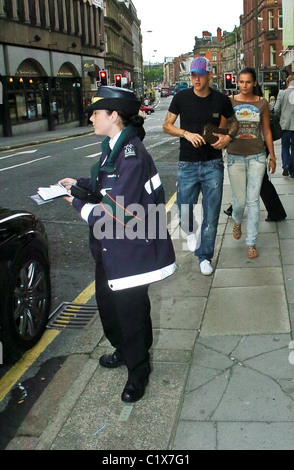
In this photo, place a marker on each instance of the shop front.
(36, 102)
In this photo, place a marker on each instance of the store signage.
(27, 73)
(89, 65)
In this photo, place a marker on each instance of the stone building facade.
(123, 44)
(51, 53)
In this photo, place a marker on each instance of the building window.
(271, 19)
(273, 55)
(25, 99)
(280, 18)
(214, 57)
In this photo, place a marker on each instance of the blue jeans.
(288, 150)
(193, 178)
(246, 175)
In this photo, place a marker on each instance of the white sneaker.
(192, 242)
(206, 268)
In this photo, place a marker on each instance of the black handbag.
(275, 127)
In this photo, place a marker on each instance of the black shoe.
(110, 361)
(229, 211)
(285, 171)
(134, 390)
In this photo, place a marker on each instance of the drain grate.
(71, 315)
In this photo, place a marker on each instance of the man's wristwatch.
(231, 137)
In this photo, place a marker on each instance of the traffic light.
(103, 77)
(230, 81)
(117, 78)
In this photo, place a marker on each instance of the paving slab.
(100, 421)
(246, 310)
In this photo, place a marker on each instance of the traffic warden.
(124, 205)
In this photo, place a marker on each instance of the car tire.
(27, 301)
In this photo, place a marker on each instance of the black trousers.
(126, 321)
(271, 199)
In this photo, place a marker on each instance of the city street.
(25, 169)
(22, 171)
(222, 353)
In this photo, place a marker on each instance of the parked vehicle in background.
(181, 86)
(25, 292)
(172, 90)
(146, 109)
(165, 91)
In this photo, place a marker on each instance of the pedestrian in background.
(284, 108)
(247, 156)
(122, 195)
(272, 102)
(201, 168)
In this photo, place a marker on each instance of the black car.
(25, 287)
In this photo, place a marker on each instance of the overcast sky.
(175, 23)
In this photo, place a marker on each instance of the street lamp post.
(142, 61)
(154, 50)
(257, 20)
(256, 39)
(236, 56)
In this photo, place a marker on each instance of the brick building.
(262, 25)
(211, 47)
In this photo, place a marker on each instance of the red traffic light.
(230, 82)
(117, 78)
(103, 77)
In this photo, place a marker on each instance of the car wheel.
(148, 112)
(27, 304)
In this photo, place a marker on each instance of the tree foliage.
(153, 74)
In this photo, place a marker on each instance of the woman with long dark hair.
(247, 156)
(128, 236)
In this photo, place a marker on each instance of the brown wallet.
(209, 130)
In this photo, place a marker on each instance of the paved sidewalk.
(7, 143)
(223, 367)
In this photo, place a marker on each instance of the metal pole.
(236, 52)
(256, 40)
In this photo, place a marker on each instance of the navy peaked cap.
(115, 99)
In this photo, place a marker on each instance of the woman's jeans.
(246, 175)
(193, 178)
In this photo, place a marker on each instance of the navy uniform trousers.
(126, 321)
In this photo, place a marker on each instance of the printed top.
(249, 140)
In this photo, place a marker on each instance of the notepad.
(52, 192)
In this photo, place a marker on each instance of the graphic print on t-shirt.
(248, 116)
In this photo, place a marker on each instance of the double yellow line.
(17, 371)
